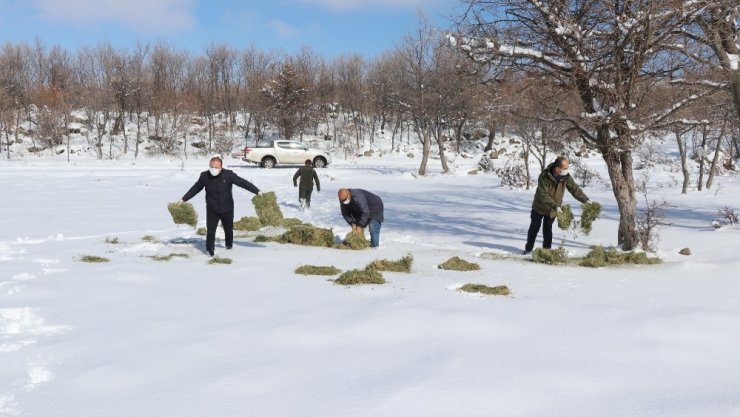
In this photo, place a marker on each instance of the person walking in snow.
(362, 209)
(219, 201)
(548, 198)
(308, 176)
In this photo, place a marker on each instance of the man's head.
(344, 195)
(215, 165)
(308, 163)
(560, 166)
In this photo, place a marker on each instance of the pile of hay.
(291, 222)
(149, 238)
(267, 209)
(183, 213)
(317, 270)
(484, 289)
(589, 213)
(112, 240)
(565, 217)
(248, 224)
(221, 261)
(354, 241)
(600, 257)
(457, 264)
(401, 265)
(167, 258)
(265, 239)
(202, 231)
(550, 256)
(91, 259)
(307, 235)
(360, 276)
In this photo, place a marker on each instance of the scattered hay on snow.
(359, 277)
(457, 264)
(221, 261)
(291, 222)
(550, 256)
(484, 289)
(308, 235)
(112, 240)
(149, 238)
(92, 259)
(167, 258)
(354, 241)
(183, 213)
(600, 257)
(267, 209)
(317, 270)
(202, 231)
(386, 265)
(265, 239)
(589, 213)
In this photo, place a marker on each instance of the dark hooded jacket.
(363, 207)
(307, 176)
(550, 192)
(218, 189)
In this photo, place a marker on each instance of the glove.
(259, 192)
(559, 210)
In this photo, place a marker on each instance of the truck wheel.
(268, 162)
(319, 162)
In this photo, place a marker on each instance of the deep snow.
(140, 338)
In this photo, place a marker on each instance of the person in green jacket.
(551, 187)
(307, 175)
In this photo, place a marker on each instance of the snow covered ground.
(136, 337)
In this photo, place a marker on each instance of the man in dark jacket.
(308, 176)
(362, 209)
(551, 187)
(219, 200)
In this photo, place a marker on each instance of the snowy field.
(135, 337)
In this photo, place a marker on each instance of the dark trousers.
(227, 221)
(305, 194)
(534, 228)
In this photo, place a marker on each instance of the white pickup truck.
(285, 152)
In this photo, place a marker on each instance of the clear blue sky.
(330, 27)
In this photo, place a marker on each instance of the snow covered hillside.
(135, 337)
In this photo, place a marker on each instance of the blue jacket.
(218, 190)
(363, 207)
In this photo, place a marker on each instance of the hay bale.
(589, 213)
(550, 256)
(354, 241)
(220, 261)
(484, 289)
(92, 259)
(183, 213)
(317, 270)
(401, 265)
(291, 222)
(248, 224)
(457, 264)
(565, 217)
(359, 277)
(307, 235)
(268, 211)
(600, 257)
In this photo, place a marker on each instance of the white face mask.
(214, 171)
(564, 172)
(347, 201)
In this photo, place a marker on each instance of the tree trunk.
(715, 159)
(491, 137)
(619, 166)
(684, 162)
(426, 145)
(702, 157)
(442, 157)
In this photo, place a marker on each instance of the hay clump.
(359, 277)
(149, 238)
(589, 213)
(308, 236)
(317, 270)
(565, 217)
(457, 264)
(167, 258)
(92, 259)
(265, 239)
(202, 231)
(112, 240)
(386, 265)
(268, 211)
(354, 241)
(291, 222)
(550, 256)
(484, 289)
(183, 213)
(600, 257)
(248, 224)
(220, 261)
